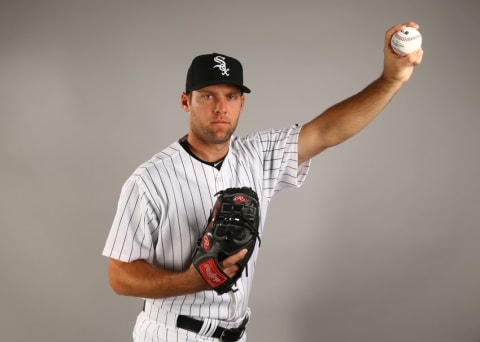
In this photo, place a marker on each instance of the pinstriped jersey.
(165, 204)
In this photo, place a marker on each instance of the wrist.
(390, 82)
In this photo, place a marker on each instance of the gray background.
(380, 244)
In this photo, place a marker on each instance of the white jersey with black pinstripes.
(164, 206)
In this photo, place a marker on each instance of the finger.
(391, 31)
(416, 57)
(232, 260)
(411, 24)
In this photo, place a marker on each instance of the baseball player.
(165, 204)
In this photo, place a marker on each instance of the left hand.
(398, 68)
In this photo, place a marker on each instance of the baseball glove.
(232, 226)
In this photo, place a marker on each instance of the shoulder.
(267, 137)
(157, 164)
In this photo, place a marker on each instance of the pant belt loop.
(208, 328)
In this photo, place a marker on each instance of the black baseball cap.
(214, 68)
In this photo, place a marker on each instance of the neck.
(209, 153)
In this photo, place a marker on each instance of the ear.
(185, 101)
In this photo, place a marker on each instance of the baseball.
(406, 41)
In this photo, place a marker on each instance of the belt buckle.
(226, 334)
(238, 332)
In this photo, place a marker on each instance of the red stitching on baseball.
(404, 38)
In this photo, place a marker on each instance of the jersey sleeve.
(280, 152)
(135, 225)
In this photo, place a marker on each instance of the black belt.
(191, 324)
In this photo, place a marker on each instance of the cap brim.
(206, 84)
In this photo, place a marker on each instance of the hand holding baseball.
(398, 68)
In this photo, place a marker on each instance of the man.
(164, 205)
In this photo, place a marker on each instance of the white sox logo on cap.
(221, 65)
(214, 68)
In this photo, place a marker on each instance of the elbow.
(115, 278)
(117, 286)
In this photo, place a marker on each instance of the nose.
(221, 106)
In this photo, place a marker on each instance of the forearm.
(140, 279)
(345, 119)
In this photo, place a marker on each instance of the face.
(214, 113)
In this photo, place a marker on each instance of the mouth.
(220, 122)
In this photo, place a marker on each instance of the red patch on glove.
(211, 273)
